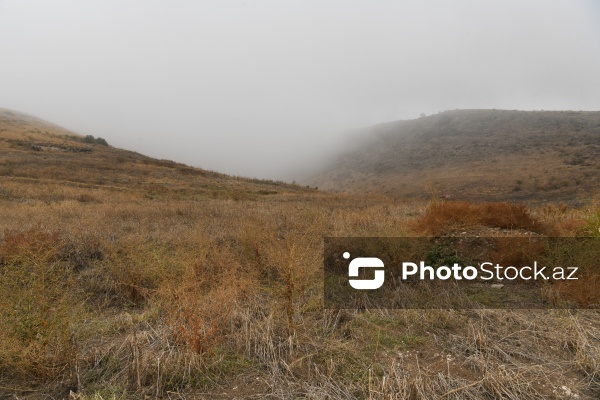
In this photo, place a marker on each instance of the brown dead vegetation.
(446, 216)
(133, 279)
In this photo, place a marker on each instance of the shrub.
(506, 216)
(442, 217)
(583, 291)
(91, 139)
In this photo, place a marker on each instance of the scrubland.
(112, 294)
(127, 277)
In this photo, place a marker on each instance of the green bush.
(91, 139)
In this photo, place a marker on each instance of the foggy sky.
(265, 88)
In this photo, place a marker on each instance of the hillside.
(35, 154)
(475, 155)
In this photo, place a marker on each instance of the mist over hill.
(35, 153)
(475, 155)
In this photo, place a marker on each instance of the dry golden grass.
(198, 296)
(140, 278)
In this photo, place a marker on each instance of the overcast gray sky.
(260, 88)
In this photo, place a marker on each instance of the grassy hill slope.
(126, 277)
(477, 155)
(36, 151)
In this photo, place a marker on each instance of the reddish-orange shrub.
(583, 291)
(443, 217)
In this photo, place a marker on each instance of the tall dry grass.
(124, 295)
